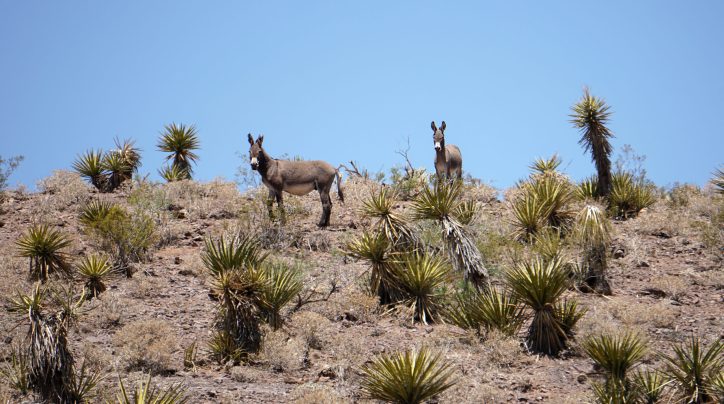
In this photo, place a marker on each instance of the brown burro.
(295, 177)
(448, 160)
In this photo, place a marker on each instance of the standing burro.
(448, 160)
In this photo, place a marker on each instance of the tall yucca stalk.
(439, 203)
(374, 247)
(42, 245)
(696, 370)
(590, 115)
(90, 166)
(593, 231)
(539, 284)
(180, 141)
(394, 225)
(407, 377)
(420, 278)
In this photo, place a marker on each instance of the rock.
(8, 339)
(656, 292)
(177, 260)
(581, 379)
(187, 234)
(619, 253)
(186, 272)
(642, 264)
(661, 234)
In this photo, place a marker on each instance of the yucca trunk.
(546, 334)
(464, 255)
(595, 261)
(51, 363)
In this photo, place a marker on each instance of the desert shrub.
(375, 249)
(148, 393)
(680, 195)
(483, 312)
(407, 377)
(146, 345)
(67, 188)
(593, 234)
(616, 354)
(408, 183)
(569, 313)
(126, 235)
(7, 167)
(43, 246)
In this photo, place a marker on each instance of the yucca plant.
(116, 168)
(615, 354)
(394, 225)
(593, 232)
(148, 393)
(586, 189)
(628, 196)
(241, 287)
(650, 385)
(225, 348)
(590, 115)
(548, 243)
(82, 385)
(283, 284)
(375, 249)
(439, 203)
(16, 370)
(569, 313)
(420, 278)
(615, 392)
(539, 285)
(131, 156)
(43, 247)
(718, 180)
(180, 141)
(530, 216)
(51, 364)
(407, 377)
(695, 370)
(547, 166)
(486, 311)
(94, 212)
(190, 353)
(556, 195)
(466, 211)
(173, 173)
(93, 270)
(90, 166)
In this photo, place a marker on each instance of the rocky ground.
(666, 270)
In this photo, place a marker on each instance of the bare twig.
(409, 169)
(304, 300)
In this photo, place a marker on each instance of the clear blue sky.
(344, 81)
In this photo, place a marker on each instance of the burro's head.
(255, 151)
(438, 135)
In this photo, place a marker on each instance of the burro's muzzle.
(254, 163)
(438, 146)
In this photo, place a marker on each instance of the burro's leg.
(270, 204)
(326, 207)
(280, 205)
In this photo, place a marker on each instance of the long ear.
(432, 125)
(251, 139)
(442, 126)
(260, 139)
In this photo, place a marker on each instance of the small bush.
(7, 167)
(147, 345)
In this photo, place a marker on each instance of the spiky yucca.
(374, 247)
(586, 189)
(544, 202)
(148, 393)
(283, 284)
(546, 166)
(241, 287)
(43, 247)
(394, 225)
(490, 310)
(695, 370)
(718, 180)
(593, 232)
(93, 270)
(51, 364)
(569, 313)
(15, 371)
(116, 169)
(173, 173)
(628, 196)
(180, 141)
(94, 212)
(90, 166)
(616, 354)
(419, 278)
(439, 203)
(650, 385)
(590, 115)
(407, 377)
(131, 156)
(539, 285)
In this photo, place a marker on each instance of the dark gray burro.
(296, 177)
(448, 160)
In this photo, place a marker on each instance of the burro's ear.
(251, 139)
(442, 126)
(260, 139)
(432, 125)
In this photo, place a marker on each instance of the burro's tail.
(340, 194)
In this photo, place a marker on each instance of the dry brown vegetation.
(665, 270)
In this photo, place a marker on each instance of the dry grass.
(316, 394)
(63, 189)
(674, 286)
(282, 352)
(147, 345)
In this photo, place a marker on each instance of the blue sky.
(342, 81)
